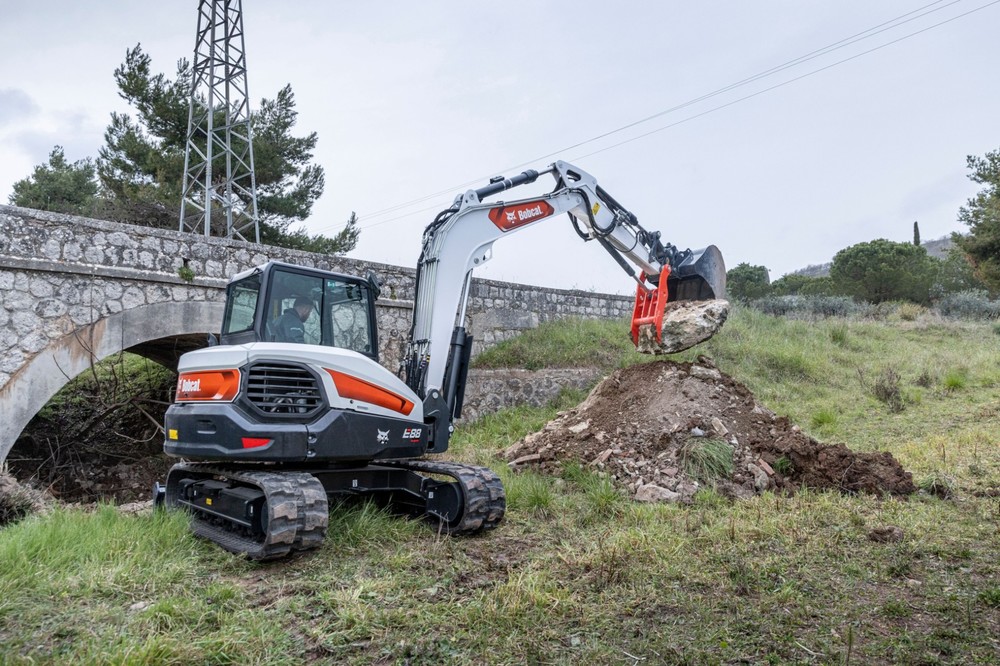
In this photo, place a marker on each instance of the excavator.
(290, 410)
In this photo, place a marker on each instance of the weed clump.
(823, 417)
(924, 379)
(886, 389)
(707, 460)
(909, 311)
(838, 335)
(938, 485)
(955, 379)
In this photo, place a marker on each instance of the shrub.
(970, 304)
(879, 311)
(806, 306)
(886, 389)
(909, 311)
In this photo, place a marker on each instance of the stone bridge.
(74, 291)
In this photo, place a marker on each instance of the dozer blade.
(686, 308)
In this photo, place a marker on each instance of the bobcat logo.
(511, 215)
(383, 436)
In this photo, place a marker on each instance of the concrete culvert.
(663, 430)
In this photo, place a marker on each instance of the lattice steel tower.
(219, 181)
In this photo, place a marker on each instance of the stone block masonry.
(61, 272)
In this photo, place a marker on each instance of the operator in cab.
(288, 327)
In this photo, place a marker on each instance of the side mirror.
(212, 340)
(374, 285)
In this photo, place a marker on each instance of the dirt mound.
(664, 429)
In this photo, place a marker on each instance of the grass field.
(577, 573)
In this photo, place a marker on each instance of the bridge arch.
(160, 331)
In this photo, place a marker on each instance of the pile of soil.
(643, 425)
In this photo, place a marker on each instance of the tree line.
(138, 174)
(882, 270)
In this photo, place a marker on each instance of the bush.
(886, 389)
(909, 311)
(969, 304)
(807, 306)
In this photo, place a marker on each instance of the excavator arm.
(460, 239)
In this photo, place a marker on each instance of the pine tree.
(58, 186)
(141, 167)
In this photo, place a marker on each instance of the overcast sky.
(415, 98)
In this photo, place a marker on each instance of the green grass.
(568, 343)
(577, 573)
(706, 460)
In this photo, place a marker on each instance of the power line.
(864, 34)
(812, 55)
(829, 48)
(785, 83)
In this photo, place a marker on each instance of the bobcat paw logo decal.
(383, 436)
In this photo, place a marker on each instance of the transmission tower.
(219, 179)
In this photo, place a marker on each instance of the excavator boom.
(461, 238)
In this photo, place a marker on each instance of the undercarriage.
(265, 512)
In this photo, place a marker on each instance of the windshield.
(318, 310)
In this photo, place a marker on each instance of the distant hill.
(936, 248)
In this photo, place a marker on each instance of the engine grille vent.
(281, 388)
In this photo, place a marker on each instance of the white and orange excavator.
(292, 409)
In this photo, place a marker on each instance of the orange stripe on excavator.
(353, 388)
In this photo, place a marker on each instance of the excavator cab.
(285, 303)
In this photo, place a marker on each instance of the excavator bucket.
(686, 308)
(700, 277)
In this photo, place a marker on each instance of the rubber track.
(485, 501)
(296, 502)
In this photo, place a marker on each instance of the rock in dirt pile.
(662, 430)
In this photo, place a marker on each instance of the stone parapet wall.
(61, 272)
